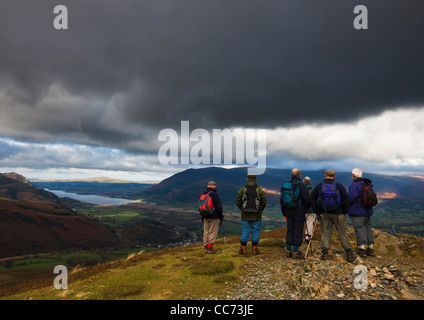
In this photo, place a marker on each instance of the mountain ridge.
(185, 186)
(94, 179)
(13, 186)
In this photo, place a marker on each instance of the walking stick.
(310, 240)
(223, 232)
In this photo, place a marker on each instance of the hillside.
(33, 220)
(33, 227)
(187, 273)
(17, 177)
(16, 187)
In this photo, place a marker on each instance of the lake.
(93, 199)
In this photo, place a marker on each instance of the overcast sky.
(91, 100)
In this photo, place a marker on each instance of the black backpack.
(368, 198)
(251, 199)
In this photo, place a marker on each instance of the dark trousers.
(363, 231)
(294, 235)
(328, 221)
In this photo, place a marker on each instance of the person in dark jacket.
(211, 223)
(360, 216)
(251, 200)
(334, 216)
(295, 217)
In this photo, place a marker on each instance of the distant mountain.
(17, 177)
(185, 187)
(94, 179)
(16, 187)
(110, 189)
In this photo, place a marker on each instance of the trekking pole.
(223, 232)
(310, 240)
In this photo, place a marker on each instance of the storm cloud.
(215, 63)
(124, 70)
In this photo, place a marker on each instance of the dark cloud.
(216, 63)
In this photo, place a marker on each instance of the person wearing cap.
(251, 201)
(211, 223)
(334, 217)
(310, 215)
(295, 217)
(361, 217)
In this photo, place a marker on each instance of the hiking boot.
(255, 251)
(350, 256)
(242, 250)
(361, 253)
(325, 256)
(370, 252)
(211, 251)
(298, 255)
(289, 254)
(206, 249)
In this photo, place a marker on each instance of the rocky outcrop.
(395, 273)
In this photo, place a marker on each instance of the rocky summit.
(391, 275)
(312, 278)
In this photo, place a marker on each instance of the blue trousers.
(294, 235)
(250, 227)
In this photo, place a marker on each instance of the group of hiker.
(302, 206)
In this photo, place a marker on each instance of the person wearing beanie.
(251, 201)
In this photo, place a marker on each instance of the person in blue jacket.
(361, 217)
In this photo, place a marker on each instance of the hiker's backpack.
(290, 194)
(250, 199)
(329, 197)
(368, 198)
(205, 205)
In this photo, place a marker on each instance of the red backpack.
(205, 205)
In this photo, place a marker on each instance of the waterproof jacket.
(304, 201)
(342, 209)
(218, 213)
(248, 216)
(356, 209)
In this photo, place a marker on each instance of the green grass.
(32, 263)
(178, 273)
(49, 261)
